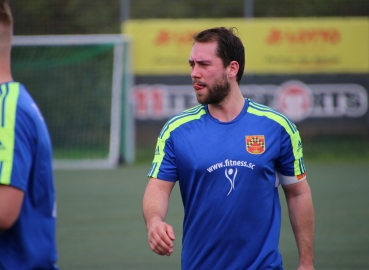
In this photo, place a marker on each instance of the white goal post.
(121, 145)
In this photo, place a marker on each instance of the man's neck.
(5, 74)
(229, 108)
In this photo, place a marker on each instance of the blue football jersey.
(229, 174)
(26, 164)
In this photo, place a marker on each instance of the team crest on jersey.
(255, 144)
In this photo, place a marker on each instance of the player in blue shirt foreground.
(229, 155)
(27, 196)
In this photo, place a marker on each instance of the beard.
(216, 93)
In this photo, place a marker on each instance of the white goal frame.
(122, 129)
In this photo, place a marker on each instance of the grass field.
(100, 224)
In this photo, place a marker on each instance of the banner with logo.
(297, 100)
(276, 46)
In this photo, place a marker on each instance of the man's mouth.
(198, 86)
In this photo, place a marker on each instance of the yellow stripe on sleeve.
(8, 107)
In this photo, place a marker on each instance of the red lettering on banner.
(165, 36)
(304, 36)
(149, 102)
(157, 99)
(275, 36)
(184, 38)
(162, 38)
(141, 100)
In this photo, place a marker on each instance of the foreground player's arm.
(10, 205)
(155, 208)
(301, 213)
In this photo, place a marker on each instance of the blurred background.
(315, 51)
(43, 17)
(107, 75)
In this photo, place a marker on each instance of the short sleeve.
(290, 167)
(164, 162)
(23, 150)
(15, 138)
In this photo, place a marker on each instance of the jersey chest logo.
(255, 144)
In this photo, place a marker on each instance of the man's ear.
(232, 69)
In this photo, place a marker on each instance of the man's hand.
(155, 208)
(161, 237)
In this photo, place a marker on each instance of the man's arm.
(10, 205)
(301, 213)
(155, 208)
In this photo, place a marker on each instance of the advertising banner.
(273, 46)
(295, 99)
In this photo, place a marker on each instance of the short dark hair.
(5, 13)
(230, 47)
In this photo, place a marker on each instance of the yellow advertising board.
(273, 46)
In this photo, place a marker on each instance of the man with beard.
(229, 155)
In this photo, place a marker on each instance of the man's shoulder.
(190, 113)
(183, 118)
(15, 93)
(27, 107)
(268, 114)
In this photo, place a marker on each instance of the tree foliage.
(43, 17)
(40, 17)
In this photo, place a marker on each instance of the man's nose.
(195, 72)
